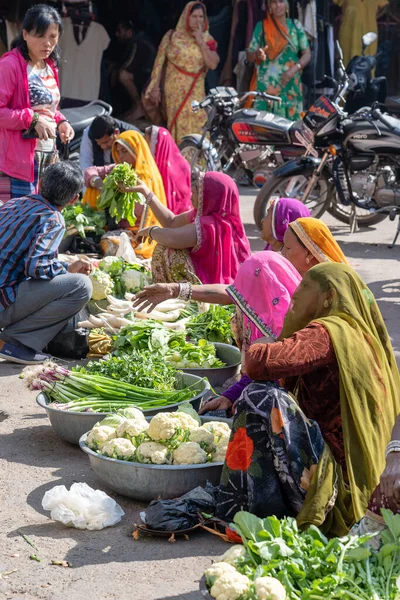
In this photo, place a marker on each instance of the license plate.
(322, 111)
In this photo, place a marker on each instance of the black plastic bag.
(72, 341)
(180, 513)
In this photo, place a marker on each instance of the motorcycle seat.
(82, 116)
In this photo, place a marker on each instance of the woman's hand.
(97, 183)
(288, 75)
(220, 403)
(390, 478)
(45, 128)
(154, 96)
(155, 294)
(260, 54)
(66, 132)
(140, 188)
(198, 35)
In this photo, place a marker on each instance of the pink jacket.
(17, 154)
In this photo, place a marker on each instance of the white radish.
(86, 325)
(96, 321)
(120, 311)
(170, 307)
(118, 303)
(159, 316)
(177, 325)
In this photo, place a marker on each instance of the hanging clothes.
(80, 69)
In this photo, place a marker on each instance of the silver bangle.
(185, 291)
(393, 446)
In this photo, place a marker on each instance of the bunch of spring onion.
(83, 392)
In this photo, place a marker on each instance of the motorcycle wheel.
(343, 214)
(293, 187)
(203, 163)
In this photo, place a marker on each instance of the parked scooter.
(364, 90)
(80, 118)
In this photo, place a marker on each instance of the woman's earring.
(326, 304)
(308, 260)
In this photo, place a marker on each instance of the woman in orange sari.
(189, 51)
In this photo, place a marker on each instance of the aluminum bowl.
(70, 426)
(217, 377)
(203, 589)
(148, 482)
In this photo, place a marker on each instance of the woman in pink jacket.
(29, 98)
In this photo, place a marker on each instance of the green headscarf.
(369, 401)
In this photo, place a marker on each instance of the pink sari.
(262, 290)
(222, 244)
(174, 170)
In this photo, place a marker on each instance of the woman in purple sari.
(281, 212)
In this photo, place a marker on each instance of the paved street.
(109, 564)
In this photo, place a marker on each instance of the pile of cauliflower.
(169, 439)
(225, 582)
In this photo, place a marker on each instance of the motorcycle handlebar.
(378, 115)
(261, 95)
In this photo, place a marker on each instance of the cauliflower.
(269, 588)
(153, 453)
(226, 583)
(133, 280)
(219, 430)
(99, 436)
(187, 421)
(132, 427)
(189, 453)
(232, 554)
(202, 437)
(102, 284)
(220, 451)
(119, 448)
(164, 426)
(106, 263)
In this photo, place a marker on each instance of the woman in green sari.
(279, 47)
(315, 447)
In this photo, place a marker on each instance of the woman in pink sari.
(174, 169)
(206, 244)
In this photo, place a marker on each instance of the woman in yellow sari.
(189, 51)
(318, 456)
(132, 148)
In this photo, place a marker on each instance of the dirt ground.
(110, 564)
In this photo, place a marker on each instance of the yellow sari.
(318, 240)
(369, 401)
(185, 76)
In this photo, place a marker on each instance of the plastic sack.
(126, 251)
(72, 341)
(82, 507)
(180, 513)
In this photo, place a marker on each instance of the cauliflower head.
(164, 426)
(99, 436)
(232, 554)
(119, 448)
(202, 437)
(189, 453)
(219, 429)
(102, 284)
(106, 263)
(269, 588)
(187, 421)
(220, 451)
(133, 280)
(226, 583)
(131, 428)
(153, 454)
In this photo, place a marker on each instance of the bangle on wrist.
(94, 179)
(185, 291)
(393, 446)
(63, 121)
(150, 233)
(34, 121)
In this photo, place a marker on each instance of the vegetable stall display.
(279, 562)
(121, 205)
(213, 325)
(82, 392)
(116, 276)
(82, 219)
(176, 438)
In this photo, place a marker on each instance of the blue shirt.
(31, 230)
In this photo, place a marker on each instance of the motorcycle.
(364, 90)
(80, 118)
(355, 159)
(246, 143)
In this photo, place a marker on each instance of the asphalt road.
(110, 564)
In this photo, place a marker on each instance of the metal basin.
(70, 426)
(217, 377)
(148, 482)
(203, 589)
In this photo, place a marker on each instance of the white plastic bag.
(82, 507)
(126, 251)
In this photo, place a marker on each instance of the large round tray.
(148, 482)
(70, 426)
(217, 377)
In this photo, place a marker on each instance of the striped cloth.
(31, 230)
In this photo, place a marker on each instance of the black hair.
(126, 24)
(37, 20)
(102, 125)
(196, 7)
(298, 239)
(61, 182)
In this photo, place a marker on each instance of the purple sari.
(285, 211)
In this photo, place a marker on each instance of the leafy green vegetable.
(121, 205)
(83, 218)
(213, 325)
(189, 410)
(117, 268)
(311, 567)
(144, 369)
